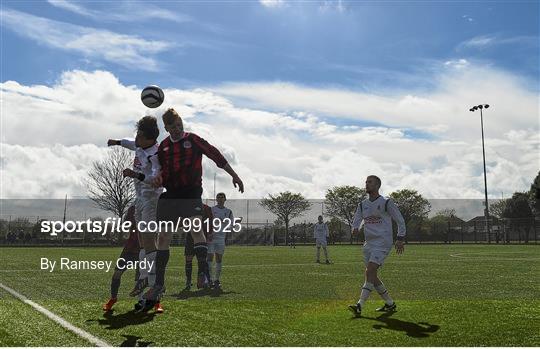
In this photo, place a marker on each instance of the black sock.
(115, 285)
(162, 258)
(189, 269)
(201, 251)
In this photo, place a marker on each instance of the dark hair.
(222, 194)
(320, 216)
(377, 179)
(148, 127)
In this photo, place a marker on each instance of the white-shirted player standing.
(320, 233)
(377, 212)
(217, 246)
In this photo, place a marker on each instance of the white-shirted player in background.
(145, 168)
(377, 213)
(217, 246)
(320, 233)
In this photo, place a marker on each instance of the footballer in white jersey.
(145, 169)
(320, 233)
(376, 213)
(222, 223)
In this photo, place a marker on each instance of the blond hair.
(170, 116)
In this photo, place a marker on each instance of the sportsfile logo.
(116, 225)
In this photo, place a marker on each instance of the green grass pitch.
(451, 295)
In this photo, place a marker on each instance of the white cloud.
(312, 142)
(481, 42)
(129, 51)
(123, 11)
(46, 172)
(272, 3)
(444, 107)
(457, 64)
(331, 5)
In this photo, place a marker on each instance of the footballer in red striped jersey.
(180, 156)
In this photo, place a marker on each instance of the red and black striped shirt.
(181, 161)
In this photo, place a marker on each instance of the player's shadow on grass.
(201, 293)
(411, 329)
(133, 341)
(114, 322)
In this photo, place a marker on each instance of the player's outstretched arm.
(214, 154)
(126, 143)
(235, 178)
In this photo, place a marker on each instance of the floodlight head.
(480, 106)
(471, 109)
(474, 108)
(486, 106)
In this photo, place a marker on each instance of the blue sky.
(299, 96)
(366, 46)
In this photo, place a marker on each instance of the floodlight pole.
(486, 210)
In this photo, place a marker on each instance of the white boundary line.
(489, 256)
(81, 333)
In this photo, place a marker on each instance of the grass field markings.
(59, 320)
(491, 256)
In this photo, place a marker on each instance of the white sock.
(383, 292)
(218, 270)
(143, 273)
(366, 291)
(151, 258)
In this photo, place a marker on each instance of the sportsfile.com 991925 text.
(115, 224)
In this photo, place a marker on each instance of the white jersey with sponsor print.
(225, 215)
(320, 231)
(377, 216)
(145, 162)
